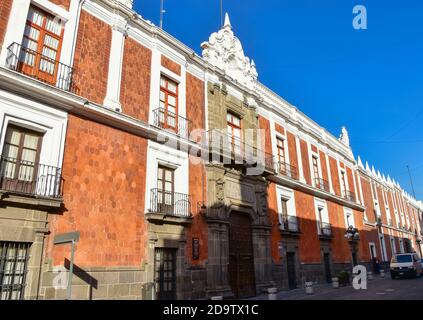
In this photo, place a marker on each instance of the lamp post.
(353, 236)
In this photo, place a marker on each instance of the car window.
(404, 259)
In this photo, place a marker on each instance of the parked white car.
(406, 264)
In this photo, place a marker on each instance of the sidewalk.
(323, 292)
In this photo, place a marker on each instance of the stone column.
(33, 277)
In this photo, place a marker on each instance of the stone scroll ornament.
(224, 51)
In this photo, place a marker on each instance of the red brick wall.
(5, 7)
(279, 129)
(391, 208)
(196, 113)
(199, 226)
(62, 3)
(368, 200)
(292, 148)
(322, 157)
(171, 65)
(334, 175)
(275, 236)
(104, 186)
(92, 57)
(350, 181)
(306, 162)
(195, 101)
(309, 246)
(264, 125)
(340, 247)
(381, 204)
(136, 77)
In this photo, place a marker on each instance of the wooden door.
(41, 46)
(166, 185)
(328, 273)
(165, 274)
(241, 257)
(292, 276)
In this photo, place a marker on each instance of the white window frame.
(289, 196)
(348, 212)
(321, 204)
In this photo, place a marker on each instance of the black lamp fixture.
(352, 234)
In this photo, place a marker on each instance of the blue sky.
(307, 51)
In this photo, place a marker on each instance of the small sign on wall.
(195, 249)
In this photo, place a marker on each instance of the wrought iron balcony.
(170, 121)
(38, 66)
(322, 184)
(237, 152)
(379, 221)
(287, 170)
(170, 203)
(350, 196)
(29, 178)
(325, 230)
(289, 224)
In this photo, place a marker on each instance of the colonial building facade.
(183, 175)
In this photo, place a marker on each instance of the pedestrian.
(377, 266)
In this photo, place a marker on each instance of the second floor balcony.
(40, 67)
(30, 178)
(322, 184)
(325, 230)
(289, 225)
(350, 196)
(237, 152)
(166, 120)
(287, 170)
(170, 204)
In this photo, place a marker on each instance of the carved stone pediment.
(224, 50)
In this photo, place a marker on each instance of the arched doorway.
(241, 256)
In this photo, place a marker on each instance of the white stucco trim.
(39, 117)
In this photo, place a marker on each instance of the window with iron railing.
(20, 170)
(322, 184)
(39, 54)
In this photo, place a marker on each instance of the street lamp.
(353, 236)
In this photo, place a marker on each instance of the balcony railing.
(322, 184)
(325, 230)
(239, 152)
(170, 203)
(350, 196)
(40, 67)
(287, 170)
(29, 178)
(289, 224)
(167, 120)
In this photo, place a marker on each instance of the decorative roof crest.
(224, 50)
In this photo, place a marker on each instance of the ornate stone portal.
(231, 192)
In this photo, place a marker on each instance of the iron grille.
(13, 269)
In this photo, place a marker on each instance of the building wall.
(136, 78)
(5, 8)
(92, 53)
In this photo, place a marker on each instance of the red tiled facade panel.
(136, 79)
(92, 55)
(62, 3)
(104, 172)
(306, 162)
(171, 65)
(5, 7)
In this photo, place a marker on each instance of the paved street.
(377, 289)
